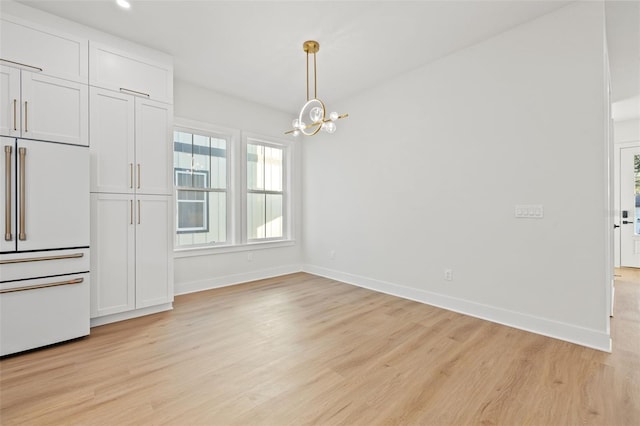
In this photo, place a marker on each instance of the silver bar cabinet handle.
(15, 115)
(22, 235)
(41, 259)
(138, 175)
(134, 92)
(22, 65)
(26, 116)
(8, 236)
(35, 287)
(130, 175)
(139, 212)
(130, 212)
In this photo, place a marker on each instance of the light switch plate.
(529, 211)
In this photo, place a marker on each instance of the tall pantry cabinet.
(131, 115)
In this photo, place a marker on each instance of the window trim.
(287, 200)
(236, 192)
(232, 136)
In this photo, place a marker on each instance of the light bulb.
(333, 116)
(295, 123)
(296, 132)
(315, 114)
(329, 127)
(123, 4)
(302, 125)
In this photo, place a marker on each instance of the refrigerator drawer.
(19, 266)
(43, 311)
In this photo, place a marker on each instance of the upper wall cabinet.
(37, 106)
(30, 47)
(122, 71)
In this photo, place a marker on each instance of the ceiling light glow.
(123, 4)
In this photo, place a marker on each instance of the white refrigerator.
(44, 247)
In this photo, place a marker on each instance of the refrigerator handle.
(8, 236)
(22, 235)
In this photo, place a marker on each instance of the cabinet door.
(154, 274)
(153, 147)
(7, 186)
(112, 141)
(57, 54)
(115, 69)
(10, 106)
(54, 109)
(55, 200)
(112, 254)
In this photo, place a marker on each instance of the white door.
(54, 109)
(630, 207)
(52, 195)
(112, 141)
(153, 244)
(112, 254)
(8, 186)
(153, 147)
(10, 105)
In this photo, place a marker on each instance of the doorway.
(628, 220)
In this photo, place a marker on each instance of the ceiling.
(253, 49)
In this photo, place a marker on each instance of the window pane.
(255, 216)
(264, 216)
(273, 169)
(255, 166)
(200, 161)
(218, 163)
(191, 216)
(273, 215)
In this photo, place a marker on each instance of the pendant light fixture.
(313, 116)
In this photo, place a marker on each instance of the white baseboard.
(227, 280)
(108, 319)
(579, 335)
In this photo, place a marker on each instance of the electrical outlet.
(448, 275)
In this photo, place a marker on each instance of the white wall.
(626, 131)
(426, 172)
(193, 273)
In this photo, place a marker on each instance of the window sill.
(211, 250)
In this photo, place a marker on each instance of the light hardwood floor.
(301, 349)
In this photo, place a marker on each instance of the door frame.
(617, 196)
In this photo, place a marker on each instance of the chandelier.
(313, 116)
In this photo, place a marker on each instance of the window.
(201, 180)
(231, 192)
(265, 191)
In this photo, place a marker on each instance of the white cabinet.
(131, 244)
(10, 103)
(54, 53)
(131, 119)
(130, 144)
(118, 70)
(37, 106)
(154, 244)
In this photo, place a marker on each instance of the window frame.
(287, 155)
(219, 132)
(237, 191)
